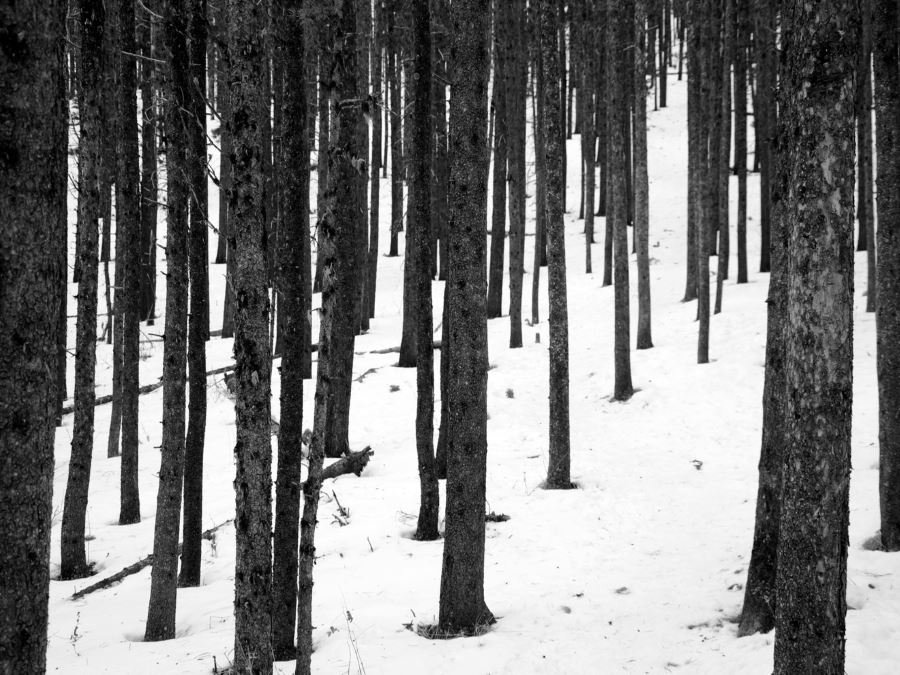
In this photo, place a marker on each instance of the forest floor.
(639, 570)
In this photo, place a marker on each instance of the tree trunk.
(815, 103)
(396, 115)
(516, 63)
(723, 168)
(540, 169)
(33, 175)
(375, 168)
(73, 563)
(887, 313)
(619, 34)
(558, 475)
(163, 579)
(419, 233)
(742, 32)
(198, 320)
(765, 30)
(292, 258)
(149, 158)
(588, 37)
(253, 451)
(342, 229)
(501, 158)
(462, 605)
(865, 203)
(641, 180)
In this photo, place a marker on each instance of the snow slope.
(640, 570)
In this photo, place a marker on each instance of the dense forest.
(276, 275)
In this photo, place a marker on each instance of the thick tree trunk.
(292, 258)
(816, 102)
(198, 320)
(462, 605)
(163, 580)
(73, 563)
(558, 474)
(619, 34)
(253, 450)
(887, 95)
(33, 177)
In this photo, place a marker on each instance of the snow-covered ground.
(640, 570)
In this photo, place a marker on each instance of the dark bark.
(765, 30)
(33, 177)
(198, 319)
(758, 612)
(702, 28)
(396, 117)
(462, 604)
(641, 181)
(224, 101)
(163, 579)
(540, 171)
(500, 166)
(865, 203)
(619, 35)
(128, 226)
(292, 258)
(723, 167)
(419, 233)
(588, 37)
(816, 102)
(558, 473)
(73, 563)
(887, 126)
(253, 450)
(375, 165)
(694, 177)
(341, 231)
(514, 40)
(742, 34)
(149, 157)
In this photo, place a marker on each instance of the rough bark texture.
(198, 320)
(641, 180)
(588, 35)
(128, 226)
(419, 232)
(619, 35)
(866, 201)
(887, 125)
(758, 612)
(764, 31)
(500, 167)
(253, 450)
(32, 275)
(554, 136)
(816, 104)
(73, 563)
(163, 580)
(293, 229)
(375, 162)
(540, 169)
(514, 39)
(149, 178)
(340, 231)
(396, 119)
(462, 605)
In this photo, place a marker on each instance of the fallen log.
(353, 463)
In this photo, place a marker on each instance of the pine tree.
(816, 102)
(163, 580)
(462, 604)
(33, 177)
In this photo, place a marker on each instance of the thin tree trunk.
(342, 229)
(73, 559)
(33, 176)
(641, 181)
(292, 257)
(619, 34)
(887, 138)
(149, 177)
(742, 30)
(558, 472)
(375, 169)
(501, 158)
(163, 579)
(514, 41)
(540, 174)
(198, 319)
